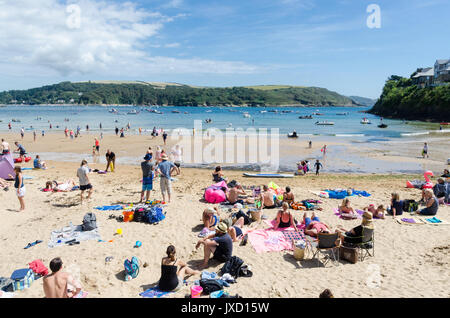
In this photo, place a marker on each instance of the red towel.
(38, 267)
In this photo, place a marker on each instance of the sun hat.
(164, 157)
(210, 210)
(222, 227)
(367, 219)
(148, 157)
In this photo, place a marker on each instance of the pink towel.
(268, 241)
(337, 213)
(273, 222)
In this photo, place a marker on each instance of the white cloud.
(111, 39)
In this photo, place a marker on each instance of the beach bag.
(89, 222)
(210, 285)
(22, 278)
(6, 284)
(131, 267)
(308, 206)
(410, 205)
(350, 254)
(232, 266)
(139, 215)
(155, 215)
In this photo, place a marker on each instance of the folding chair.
(367, 244)
(326, 244)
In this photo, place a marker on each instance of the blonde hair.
(345, 201)
(395, 196)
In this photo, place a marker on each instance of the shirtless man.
(59, 284)
(233, 194)
(266, 198)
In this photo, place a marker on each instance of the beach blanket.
(434, 221)
(154, 292)
(294, 235)
(341, 194)
(358, 216)
(273, 222)
(268, 241)
(409, 221)
(69, 233)
(109, 207)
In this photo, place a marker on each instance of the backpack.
(410, 205)
(232, 266)
(154, 215)
(210, 285)
(132, 267)
(89, 222)
(139, 215)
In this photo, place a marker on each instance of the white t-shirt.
(5, 145)
(176, 154)
(82, 173)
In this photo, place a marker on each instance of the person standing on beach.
(100, 126)
(20, 187)
(22, 132)
(87, 127)
(21, 150)
(425, 151)
(34, 135)
(43, 133)
(9, 126)
(110, 160)
(310, 144)
(318, 165)
(66, 131)
(147, 177)
(324, 150)
(117, 131)
(165, 169)
(85, 184)
(164, 137)
(5, 147)
(97, 146)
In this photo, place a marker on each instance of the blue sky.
(221, 43)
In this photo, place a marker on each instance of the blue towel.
(109, 208)
(434, 220)
(208, 275)
(153, 292)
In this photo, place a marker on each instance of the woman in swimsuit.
(173, 271)
(284, 218)
(218, 175)
(288, 197)
(235, 229)
(346, 211)
(211, 218)
(314, 226)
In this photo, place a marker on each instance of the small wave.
(415, 134)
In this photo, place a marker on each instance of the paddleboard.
(268, 175)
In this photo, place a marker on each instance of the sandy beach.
(410, 260)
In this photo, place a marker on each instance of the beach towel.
(434, 221)
(358, 215)
(154, 292)
(273, 222)
(409, 221)
(109, 207)
(72, 233)
(268, 241)
(294, 235)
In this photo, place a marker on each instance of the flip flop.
(73, 243)
(32, 244)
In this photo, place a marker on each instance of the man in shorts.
(110, 160)
(147, 177)
(5, 147)
(165, 168)
(82, 174)
(219, 244)
(21, 150)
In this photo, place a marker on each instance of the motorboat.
(133, 112)
(113, 111)
(247, 115)
(306, 117)
(293, 135)
(324, 123)
(382, 126)
(175, 111)
(342, 114)
(365, 121)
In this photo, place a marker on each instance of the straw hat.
(222, 228)
(210, 211)
(367, 219)
(164, 157)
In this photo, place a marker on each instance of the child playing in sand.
(378, 212)
(346, 211)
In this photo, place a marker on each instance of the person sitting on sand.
(59, 284)
(346, 211)
(314, 226)
(219, 244)
(378, 212)
(211, 217)
(285, 219)
(233, 194)
(396, 207)
(235, 229)
(38, 164)
(268, 199)
(218, 175)
(355, 235)
(441, 190)
(288, 196)
(173, 271)
(432, 204)
(446, 174)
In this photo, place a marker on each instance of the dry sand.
(413, 261)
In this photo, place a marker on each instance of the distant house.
(424, 77)
(441, 71)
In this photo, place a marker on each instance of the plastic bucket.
(299, 253)
(196, 291)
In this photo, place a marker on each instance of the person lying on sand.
(60, 186)
(59, 284)
(173, 271)
(219, 244)
(378, 212)
(211, 217)
(314, 226)
(235, 229)
(285, 219)
(346, 211)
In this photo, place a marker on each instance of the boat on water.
(273, 111)
(263, 111)
(175, 111)
(342, 114)
(293, 135)
(133, 112)
(247, 115)
(306, 117)
(208, 111)
(365, 121)
(318, 114)
(382, 126)
(113, 111)
(325, 123)
(286, 111)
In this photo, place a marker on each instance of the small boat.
(133, 112)
(318, 114)
(273, 111)
(113, 111)
(324, 123)
(306, 117)
(286, 111)
(382, 126)
(342, 114)
(293, 135)
(247, 115)
(208, 111)
(175, 111)
(263, 111)
(365, 121)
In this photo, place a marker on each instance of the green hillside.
(173, 94)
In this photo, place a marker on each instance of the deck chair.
(368, 244)
(326, 244)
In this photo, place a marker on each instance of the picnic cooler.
(350, 254)
(22, 278)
